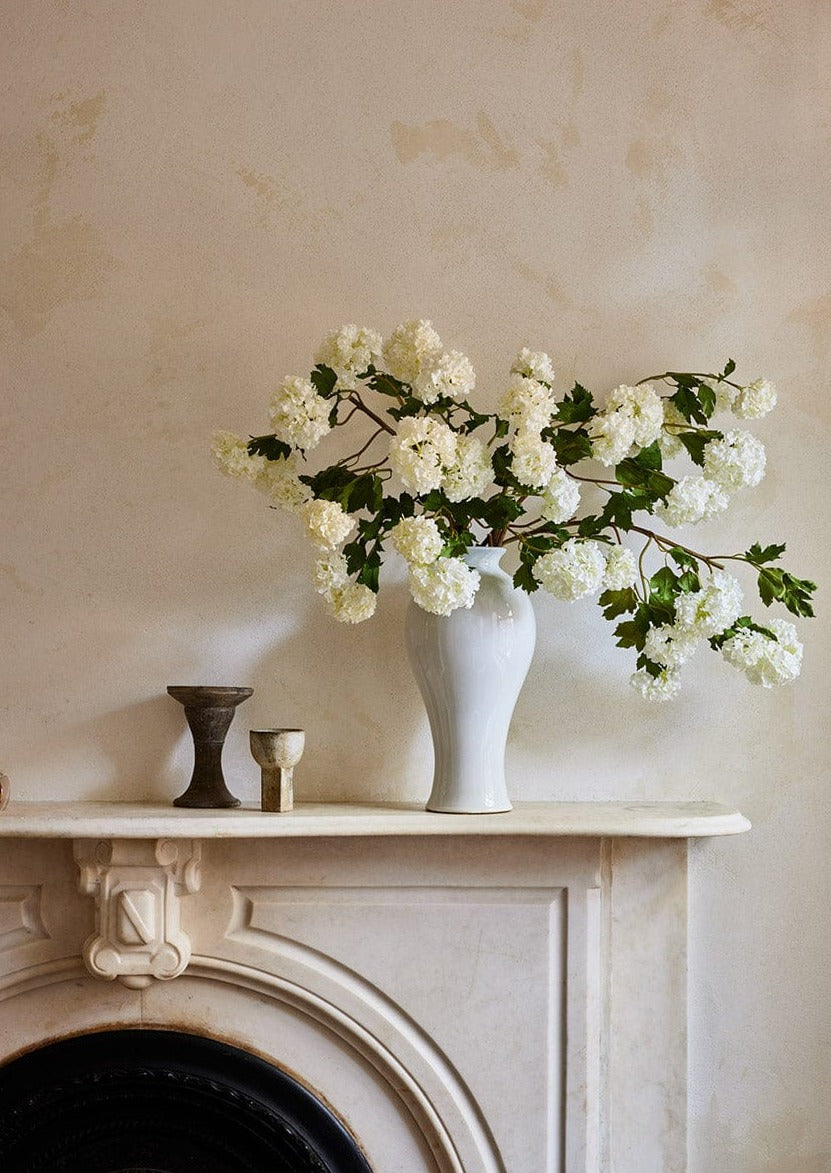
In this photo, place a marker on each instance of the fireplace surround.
(458, 994)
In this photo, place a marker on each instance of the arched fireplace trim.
(369, 1023)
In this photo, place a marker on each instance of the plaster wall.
(193, 193)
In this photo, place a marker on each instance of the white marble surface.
(663, 820)
(434, 990)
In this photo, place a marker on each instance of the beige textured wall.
(193, 192)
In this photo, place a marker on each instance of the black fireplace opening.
(157, 1101)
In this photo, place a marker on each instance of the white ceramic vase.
(469, 667)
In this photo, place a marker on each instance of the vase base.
(438, 809)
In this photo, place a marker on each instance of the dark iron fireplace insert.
(158, 1101)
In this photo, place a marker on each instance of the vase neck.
(484, 557)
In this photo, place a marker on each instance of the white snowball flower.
(471, 472)
(278, 480)
(329, 572)
(299, 416)
(527, 405)
(409, 347)
(755, 400)
(417, 539)
(645, 407)
(692, 499)
(560, 498)
(444, 586)
(450, 374)
(574, 570)
(327, 524)
(735, 462)
(421, 450)
(534, 462)
(712, 609)
(349, 351)
(353, 602)
(671, 646)
(656, 688)
(621, 569)
(535, 364)
(764, 660)
(612, 435)
(233, 459)
(725, 394)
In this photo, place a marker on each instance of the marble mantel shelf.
(123, 820)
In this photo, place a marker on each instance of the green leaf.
(729, 368)
(370, 572)
(794, 593)
(386, 385)
(323, 380)
(576, 408)
(643, 472)
(632, 632)
(592, 526)
(499, 512)
(409, 407)
(696, 442)
(269, 447)
(620, 506)
(707, 399)
(688, 402)
(683, 558)
(689, 582)
(503, 472)
(571, 447)
(756, 555)
(524, 578)
(616, 603)
(663, 586)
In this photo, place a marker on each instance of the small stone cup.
(277, 752)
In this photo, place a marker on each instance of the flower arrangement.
(431, 476)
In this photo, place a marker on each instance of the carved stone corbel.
(137, 885)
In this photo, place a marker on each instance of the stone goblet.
(209, 710)
(277, 752)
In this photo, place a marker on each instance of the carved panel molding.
(137, 886)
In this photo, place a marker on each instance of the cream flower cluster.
(528, 404)
(449, 374)
(755, 400)
(737, 461)
(633, 416)
(231, 454)
(277, 479)
(417, 539)
(410, 349)
(560, 498)
(751, 402)
(444, 586)
(764, 660)
(298, 415)
(471, 472)
(534, 461)
(422, 448)
(581, 568)
(699, 616)
(327, 524)
(692, 499)
(534, 364)
(348, 352)
(346, 600)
